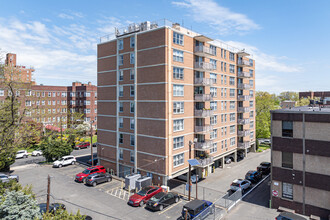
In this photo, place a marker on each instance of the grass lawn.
(88, 138)
(263, 147)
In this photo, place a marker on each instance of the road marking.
(165, 210)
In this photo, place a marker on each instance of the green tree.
(303, 102)
(12, 185)
(55, 147)
(63, 214)
(264, 103)
(288, 95)
(17, 205)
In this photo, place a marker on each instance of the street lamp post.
(91, 144)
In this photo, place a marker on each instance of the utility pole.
(189, 172)
(92, 142)
(48, 194)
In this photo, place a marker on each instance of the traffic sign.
(275, 193)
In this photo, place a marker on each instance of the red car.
(80, 177)
(82, 145)
(141, 197)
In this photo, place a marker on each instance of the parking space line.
(165, 210)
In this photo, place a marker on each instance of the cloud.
(65, 16)
(219, 18)
(70, 15)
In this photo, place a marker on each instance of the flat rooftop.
(304, 109)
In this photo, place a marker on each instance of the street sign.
(275, 193)
(194, 162)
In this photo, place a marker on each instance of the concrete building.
(300, 158)
(162, 86)
(288, 104)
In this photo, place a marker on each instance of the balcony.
(244, 74)
(243, 121)
(243, 145)
(203, 113)
(203, 145)
(202, 66)
(243, 133)
(206, 161)
(243, 97)
(203, 129)
(203, 97)
(243, 86)
(204, 81)
(204, 51)
(243, 63)
(243, 109)
(243, 53)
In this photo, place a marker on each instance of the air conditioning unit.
(145, 26)
(143, 182)
(130, 181)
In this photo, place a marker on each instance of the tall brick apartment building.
(24, 74)
(300, 159)
(161, 86)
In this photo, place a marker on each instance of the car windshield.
(86, 171)
(235, 184)
(19, 152)
(143, 192)
(157, 197)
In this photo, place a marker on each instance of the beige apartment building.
(161, 86)
(300, 160)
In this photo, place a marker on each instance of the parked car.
(143, 196)
(95, 161)
(228, 160)
(97, 178)
(184, 177)
(95, 144)
(240, 184)
(268, 142)
(264, 168)
(240, 155)
(289, 216)
(52, 207)
(36, 153)
(197, 207)
(162, 200)
(6, 178)
(82, 145)
(253, 176)
(66, 160)
(21, 154)
(80, 177)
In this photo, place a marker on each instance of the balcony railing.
(243, 121)
(243, 145)
(244, 74)
(203, 145)
(203, 129)
(206, 161)
(203, 97)
(243, 97)
(203, 113)
(243, 63)
(203, 50)
(243, 109)
(204, 66)
(243, 86)
(204, 81)
(243, 133)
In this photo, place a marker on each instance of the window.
(214, 63)
(221, 105)
(221, 144)
(251, 124)
(251, 104)
(121, 107)
(213, 91)
(121, 122)
(251, 134)
(251, 93)
(132, 140)
(231, 80)
(232, 116)
(231, 56)
(132, 58)
(132, 42)
(178, 142)
(287, 159)
(214, 105)
(213, 77)
(221, 92)
(251, 73)
(232, 129)
(221, 66)
(251, 114)
(178, 90)
(121, 154)
(221, 53)
(27, 103)
(287, 128)
(121, 138)
(87, 110)
(178, 55)
(132, 74)
(251, 62)
(43, 94)
(132, 156)
(54, 94)
(213, 50)
(63, 102)
(132, 91)
(214, 148)
(232, 92)
(121, 60)
(231, 68)
(132, 124)
(178, 107)
(251, 83)
(178, 125)
(49, 94)
(214, 134)
(121, 91)
(225, 67)
(121, 44)
(50, 102)
(232, 105)
(132, 107)
(224, 54)
(232, 141)
(43, 102)
(177, 38)
(287, 190)
(178, 160)
(63, 94)
(213, 120)
(121, 75)
(177, 73)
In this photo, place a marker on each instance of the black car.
(197, 208)
(52, 207)
(97, 178)
(264, 168)
(162, 200)
(95, 144)
(95, 161)
(253, 175)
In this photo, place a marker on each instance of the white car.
(66, 160)
(240, 184)
(21, 154)
(185, 177)
(37, 153)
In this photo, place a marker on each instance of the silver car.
(240, 184)
(6, 178)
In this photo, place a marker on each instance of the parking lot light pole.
(91, 144)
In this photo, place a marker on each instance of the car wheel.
(161, 207)
(25, 156)
(72, 162)
(94, 183)
(141, 203)
(109, 179)
(176, 199)
(38, 155)
(60, 165)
